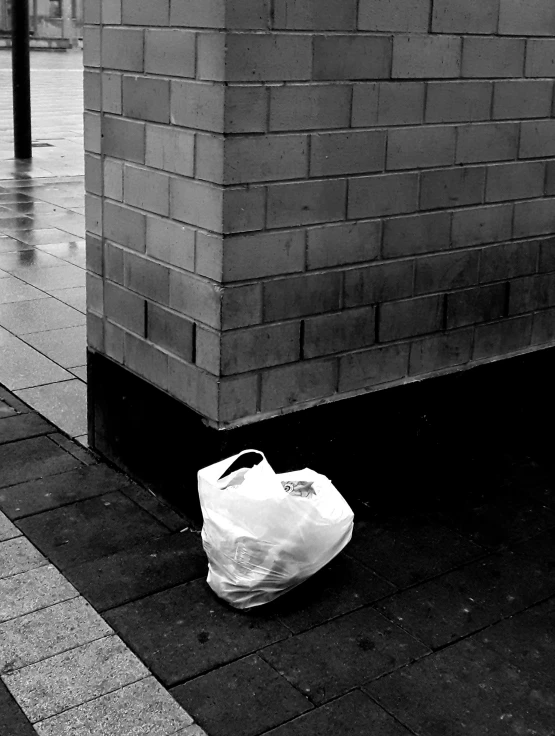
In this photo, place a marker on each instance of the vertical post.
(35, 16)
(21, 80)
(66, 20)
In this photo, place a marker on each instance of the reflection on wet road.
(42, 245)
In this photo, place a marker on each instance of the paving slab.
(12, 720)
(74, 447)
(186, 631)
(34, 458)
(245, 698)
(499, 524)
(9, 398)
(38, 315)
(23, 366)
(353, 714)
(42, 236)
(141, 570)
(441, 611)
(62, 489)
(90, 529)
(22, 427)
(342, 654)
(526, 641)
(406, 550)
(540, 548)
(161, 511)
(15, 290)
(7, 529)
(66, 680)
(66, 346)
(466, 689)
(73, 252)
(64, 276)
(75, 296)
(141, 709)
(342, 586)
(42, 634)
(63, 403)
(32, 590)
(6, 410)
(19, 555)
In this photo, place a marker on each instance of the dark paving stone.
(466, 689)
(531, 481)
(244, 698)
(463, 601)
(157, 508)
(526, 641)
(335, 657)
(341, 587)
(351, 715)
(499, 524)
(142, 570)
(90, 529)
(186, 631)
(22, 426)
(540, 548)
(43, 494)
(11, 400)
(6, 410)
(35, 458)
(406, 550)
(78, 451)
(12, 720)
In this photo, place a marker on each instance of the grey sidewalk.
(42, 246)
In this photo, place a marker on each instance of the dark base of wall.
(404, 447)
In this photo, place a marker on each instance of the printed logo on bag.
(300, 488)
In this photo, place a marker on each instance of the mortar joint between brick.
(538, 257)
(335, 383)
(507, 299)
(351, 104)
(194, 344)
(265, 208)
(268, 116)
(377, 315)
(301, 339)
(518, 141)
(431, 16)
(258, 392)
(444, 312)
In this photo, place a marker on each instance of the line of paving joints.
(7, 672)
(112, 633)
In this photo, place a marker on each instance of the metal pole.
(21, 79)
(66, 20)
(35, 16)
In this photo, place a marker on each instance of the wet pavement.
(42, 245)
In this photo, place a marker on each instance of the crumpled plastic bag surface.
(265, 533)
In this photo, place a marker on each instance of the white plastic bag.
(265, 533)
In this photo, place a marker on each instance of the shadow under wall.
(410, 448)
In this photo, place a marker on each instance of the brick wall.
(292, 201)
